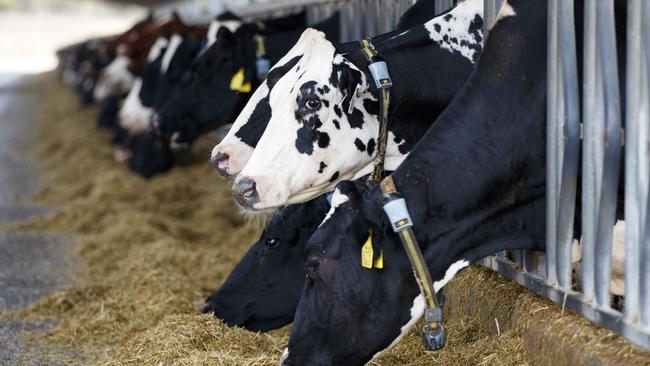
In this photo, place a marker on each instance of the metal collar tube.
(433, 333)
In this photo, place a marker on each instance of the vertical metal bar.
(371, 19)
(489, 14)
(357, 17)
(589, 176)
(611, 159)
(551, 139)
(388, 10)
(442, 6)
(644, 114)
(632, 132)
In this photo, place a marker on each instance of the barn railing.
(606, 150)
(596, 128)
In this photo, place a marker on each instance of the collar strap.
(433, 333)
(379, 71)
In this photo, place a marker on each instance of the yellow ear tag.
(379, 262)
(237, 82)
(366, 252)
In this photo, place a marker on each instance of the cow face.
(348, 314)
(320, 131)
(262, 291)
(234, 150)
(133, 116)
(205, 99)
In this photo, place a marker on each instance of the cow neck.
(481, 166)
(413, 108)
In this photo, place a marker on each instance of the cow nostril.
(245, 192)
(220, 162)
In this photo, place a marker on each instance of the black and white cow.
(325, 108)
(134, 115)
(262, 291)
(474, 184)
(208, 98)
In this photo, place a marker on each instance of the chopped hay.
(155, 249)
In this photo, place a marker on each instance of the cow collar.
(379, 71)
(433, 333)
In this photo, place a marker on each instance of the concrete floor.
(32, 264)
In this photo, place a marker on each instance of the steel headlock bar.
(433, 333)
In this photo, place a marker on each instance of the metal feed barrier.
(602, 147)
(596, 128)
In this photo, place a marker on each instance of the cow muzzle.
(220, 163)
(245, 193)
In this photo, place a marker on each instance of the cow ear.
(350, 82)
(225, 37)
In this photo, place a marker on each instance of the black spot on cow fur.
(334, 177)
(278, 72)
(322, 167)
(251, 132)
(338, 111)
(371, 146)
(447, 17)
(355, 118)
(336, 124)
(371, 106)
(323, 139)
(326, 88)
(436, 27)
(360, 145)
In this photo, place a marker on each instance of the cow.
(334, 105)
(262, 291)
(132, 54)
(133, 113)
(220, 82)
(159, 78)
(474, 184)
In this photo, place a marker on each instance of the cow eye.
(313, 103)
(272, 243)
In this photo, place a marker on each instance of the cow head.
(215, 88)
(347, 313)
(262, 291)
(322, 128)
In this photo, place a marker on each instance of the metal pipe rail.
(602, 145)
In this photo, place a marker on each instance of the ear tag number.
(367, 252)
(237, 82)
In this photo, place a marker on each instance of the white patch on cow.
(454, 25)
(115, 79)
(505, 11)
(338, 199)
(174, 42)
(285, 354)
(134, 116)
(417, 310)
(157, 48)
(449, 274)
